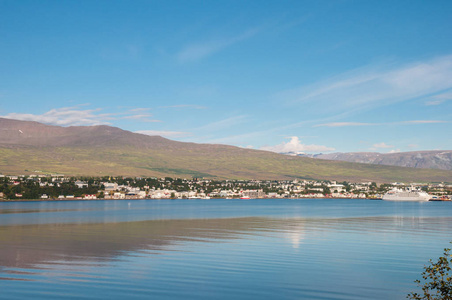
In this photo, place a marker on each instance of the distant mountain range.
(437, 159)
(33, 148)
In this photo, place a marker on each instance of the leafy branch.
(437, 280)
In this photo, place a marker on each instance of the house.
(109, 186)
(81, 184)
(338, 188)
(253, 193)
(119, 196)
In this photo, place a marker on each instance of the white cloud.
(68, 116)
(223, 124)
(343, 124)
(239, 139)
(412, 122)
(75, 116)
(139, 109)
(168, 134)
(295, 145)
(246, 147)
(141, 117)
(394, 151)
(193, 106)
(367, 88)
(439, 99)
(382, 145)
(434, 102)
(422, 122)
(198, 51)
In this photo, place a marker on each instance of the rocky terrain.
(437, 159)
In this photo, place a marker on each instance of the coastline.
(67, 200)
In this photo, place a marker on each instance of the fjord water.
(218, 249)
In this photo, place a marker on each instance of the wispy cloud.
(421, 122)
(238, 138)
(295, 146)
(139, 109)
(141, 117)
(439, 99)
(371, 87)
(382, 145)
(193, 106)
(223, 124)
(346, 124)
(75, 116)
(434, 102)
(68, 116)
(169, 134)
(379, 146)
(138, 114)
(200, 50)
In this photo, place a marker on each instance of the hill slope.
(27, 147)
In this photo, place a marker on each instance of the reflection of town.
(66, 188)
(31, 246)
(27, 245)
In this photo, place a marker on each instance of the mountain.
(31, 147)
(438, 159)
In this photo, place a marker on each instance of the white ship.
(409, 194)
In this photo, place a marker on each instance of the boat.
(409, 194)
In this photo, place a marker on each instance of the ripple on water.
(370, 250)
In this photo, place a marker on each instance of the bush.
(437, 280)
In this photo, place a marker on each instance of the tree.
(437, 278)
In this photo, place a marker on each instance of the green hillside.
(34, 148)
(224, 162)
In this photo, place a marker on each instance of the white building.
(81, 184)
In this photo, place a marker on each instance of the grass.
(222, 163)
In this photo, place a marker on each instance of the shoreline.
(134, 199)
(67, 200)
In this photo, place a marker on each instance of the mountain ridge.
(426, 159)
(26, 147)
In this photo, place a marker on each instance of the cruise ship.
(409, 194)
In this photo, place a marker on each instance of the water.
(218, 249)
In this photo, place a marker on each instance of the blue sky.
(308, 76)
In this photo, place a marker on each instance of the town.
(61, 187)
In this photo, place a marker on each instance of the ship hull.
(406, 197)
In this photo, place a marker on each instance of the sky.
(284, 76)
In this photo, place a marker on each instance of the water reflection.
(29, 245)
(284, 250)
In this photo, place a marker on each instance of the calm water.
(218, 249)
